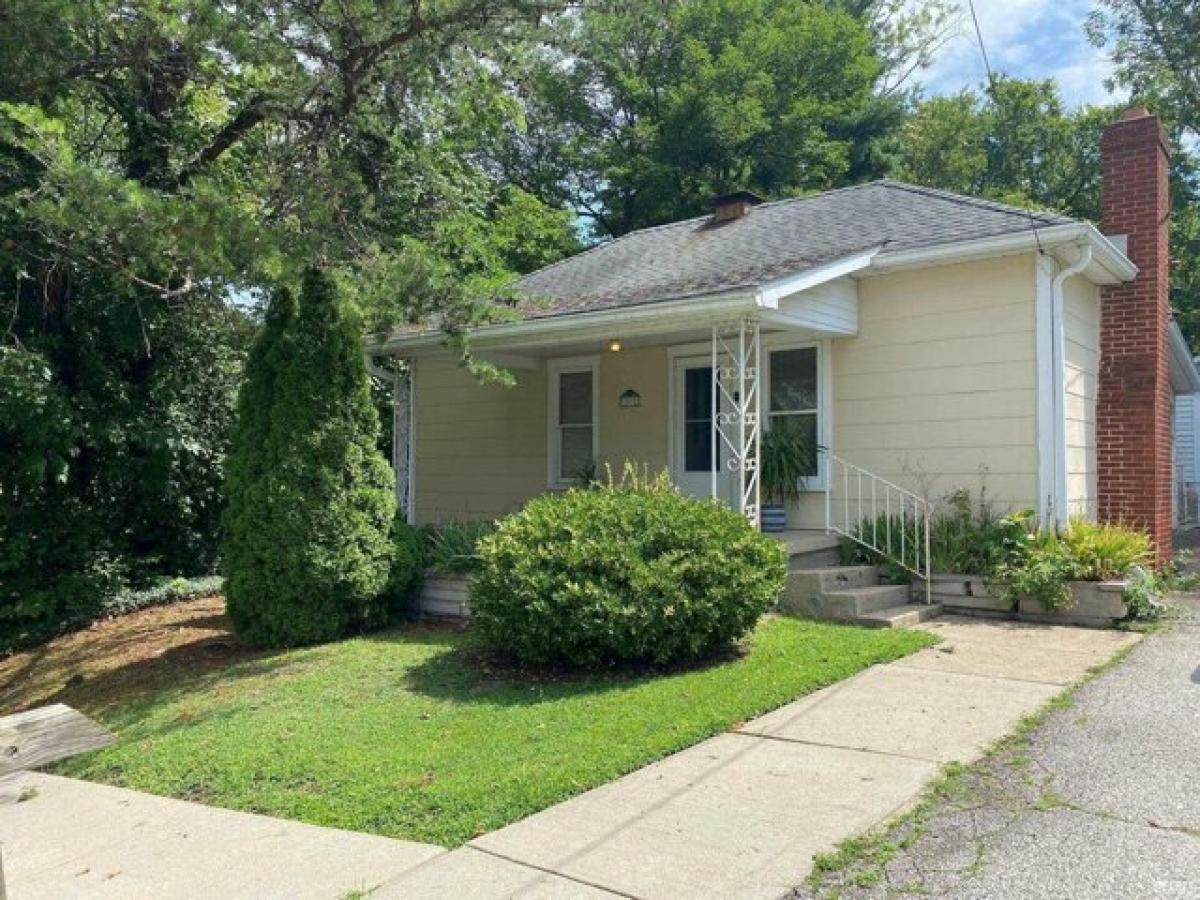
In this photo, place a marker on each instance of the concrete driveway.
(740, 815)
(1102, 801)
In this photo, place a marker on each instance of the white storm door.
(692, 455)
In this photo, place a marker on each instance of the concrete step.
(812, 559)
(855, 602)
(810, 549)
(904, 616)
(833, 578)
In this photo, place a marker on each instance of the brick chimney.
(1133, 428)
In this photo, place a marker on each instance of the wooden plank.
(40, 736)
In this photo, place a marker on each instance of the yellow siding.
(480, 450)
(938, 389)
(1081, 332)
(638, 434)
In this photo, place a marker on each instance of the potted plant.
(787, 460)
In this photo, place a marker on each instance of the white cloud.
(1026, 39)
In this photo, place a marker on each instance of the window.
(794, 396)
(697, 419)
(573, 435)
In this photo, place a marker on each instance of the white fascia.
(1185, 379)
(771, 292)
(1108, 266)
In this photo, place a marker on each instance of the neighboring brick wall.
(1134, 407)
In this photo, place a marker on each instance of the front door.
(692, 429)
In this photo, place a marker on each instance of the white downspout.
(1058, 360)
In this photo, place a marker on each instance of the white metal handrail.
(867, 507)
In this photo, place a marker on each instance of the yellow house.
(917, 341)
(924, 341)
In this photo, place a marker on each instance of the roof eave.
(1184, 376)
(1110, 265)
(632, 320)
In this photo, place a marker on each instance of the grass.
(414, 733)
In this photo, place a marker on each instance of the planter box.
(1096, 603)
(962, 594)
(445, 595)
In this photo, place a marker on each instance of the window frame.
(823, 411)
(555, 369)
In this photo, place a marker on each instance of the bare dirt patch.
(114, 659)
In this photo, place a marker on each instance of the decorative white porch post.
(402, 440)
(736, 404)
(401, 380)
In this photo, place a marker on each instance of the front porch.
(693, 400)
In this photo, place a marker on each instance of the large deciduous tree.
(1014, 142)
(1017, 143)
(1156, 51)
(162, 162)
(640, 111)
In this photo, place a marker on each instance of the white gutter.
(1058, 360)
(1185, 379)
(1109, 259)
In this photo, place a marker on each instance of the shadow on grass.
(125, 694)
(469, 672)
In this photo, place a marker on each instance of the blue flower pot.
(773, 518)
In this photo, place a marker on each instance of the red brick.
(1133, 418)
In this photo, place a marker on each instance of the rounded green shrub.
(623, 573)
(311, 500)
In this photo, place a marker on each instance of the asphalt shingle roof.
(697, 256)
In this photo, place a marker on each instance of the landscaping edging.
(963, 595)
(1098, 604)
(445, 595)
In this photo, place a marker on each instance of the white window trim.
(772, 343)
(555, 368)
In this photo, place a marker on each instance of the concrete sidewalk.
(740, 815)
(75, 839)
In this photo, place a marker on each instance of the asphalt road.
(1102, 801)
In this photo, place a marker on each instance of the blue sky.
(1028, 39)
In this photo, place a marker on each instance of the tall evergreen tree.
(310, 496)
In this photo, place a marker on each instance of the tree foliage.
(1017, 143)
(311, 499)
(640, 111)
(1157, 55)
(1153, 44)
(161, 163)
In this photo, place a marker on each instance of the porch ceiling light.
(614, 344)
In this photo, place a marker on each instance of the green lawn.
(410, 734)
